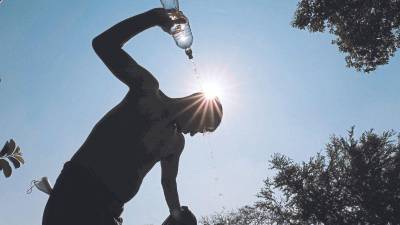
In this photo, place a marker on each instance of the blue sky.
(287, 91)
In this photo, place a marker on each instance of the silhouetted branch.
(10, 153)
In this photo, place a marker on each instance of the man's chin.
(191, 133)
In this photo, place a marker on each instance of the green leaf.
(6, 167)
(11, 147)
(4, 150)
(17, 150)
(19, 158)
(15, 162)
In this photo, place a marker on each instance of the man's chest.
(162, 141)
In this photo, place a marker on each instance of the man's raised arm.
(108, 47)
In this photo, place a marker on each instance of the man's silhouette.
(145, 128)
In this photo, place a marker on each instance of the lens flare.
(211, 89)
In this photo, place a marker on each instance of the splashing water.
(197, 74)
(207, 135)
(194, 67)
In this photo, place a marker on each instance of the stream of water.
(197, 74)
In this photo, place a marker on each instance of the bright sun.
(211, 89)
(215, 82)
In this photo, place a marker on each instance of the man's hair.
(205, 113)
(216, 112)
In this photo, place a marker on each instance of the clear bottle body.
(180, 31)
(170, 4)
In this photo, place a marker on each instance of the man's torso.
(128, 141)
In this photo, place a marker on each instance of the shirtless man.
(146, 127)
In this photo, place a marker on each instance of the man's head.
(196, 113)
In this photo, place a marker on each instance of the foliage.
(247, 215)
(367, 31)
(355, 182)
(10, 153)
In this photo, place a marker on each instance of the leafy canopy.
(367, 31)
(356, 182)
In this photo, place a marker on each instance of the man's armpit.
(141, 78)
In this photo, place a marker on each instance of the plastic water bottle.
(180, 31)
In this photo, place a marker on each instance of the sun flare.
(216, 81)
(212, 89)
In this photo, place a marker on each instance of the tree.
(367, 31)
(247, 215)
(355, 182)
(10, 153)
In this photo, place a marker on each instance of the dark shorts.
(79, 198)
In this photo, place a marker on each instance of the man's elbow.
(103, 45)
(99, 44)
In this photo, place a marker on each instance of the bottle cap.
(189, 53)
